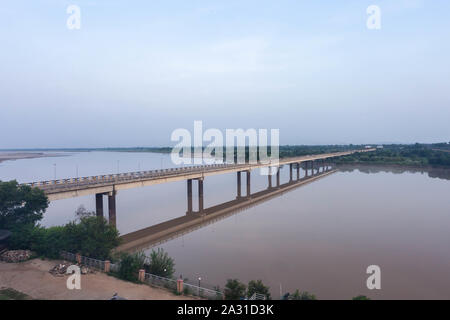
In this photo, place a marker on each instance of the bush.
(130, 264)
(303, 295)
(91, 237)
(160, 264)
(234, 290)
(258, 287)
(45, 242)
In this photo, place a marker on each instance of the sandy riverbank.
(5, 156)
(33, 278)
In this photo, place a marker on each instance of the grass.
(11, 294)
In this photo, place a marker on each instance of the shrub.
(258, 287)
(160, 264)
(303, 295)
(130, 264)
(91, 237)
(234, 290)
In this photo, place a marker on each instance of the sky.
(137, 70)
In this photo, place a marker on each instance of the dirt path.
(32, 278)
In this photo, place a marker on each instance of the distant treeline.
(412, 155)
(416, 155)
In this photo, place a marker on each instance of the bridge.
(109, 185)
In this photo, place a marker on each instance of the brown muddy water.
(319, 237)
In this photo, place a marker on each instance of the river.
(319, 237)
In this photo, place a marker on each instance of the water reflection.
(441, 173)
(167, 230)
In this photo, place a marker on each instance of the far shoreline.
(10, 156)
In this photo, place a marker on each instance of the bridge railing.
(90, 180)
(127, 176)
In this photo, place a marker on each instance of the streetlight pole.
(54, 171)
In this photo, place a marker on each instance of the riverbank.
(33, 279)
(5, 156)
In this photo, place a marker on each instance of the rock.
(60, 270)
(84, 270)
(15, 255)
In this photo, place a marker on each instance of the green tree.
(20, 205)
(361, 297)
(234, 290)
(92, 236)
(160, 264)
(258, 287)
(130, 264)
(302, 295)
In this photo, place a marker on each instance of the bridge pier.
(239, 184)
(278, 177)
(200, 195)
(112, 208)
(269, 177)
(189, 196)
(248, 183)
(99, 204)
(290, 172)
(298, 171)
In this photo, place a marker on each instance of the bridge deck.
(74, 187)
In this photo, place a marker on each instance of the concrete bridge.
(109, 185)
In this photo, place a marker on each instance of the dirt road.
(32, 278)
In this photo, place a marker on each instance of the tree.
(302, 295)
(258, 287)
(130, 264)
(361, 297)
(160, 264)
(234, 290)
(82, 212)
(92, 237)
(20, 205)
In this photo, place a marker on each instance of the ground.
(33, 279)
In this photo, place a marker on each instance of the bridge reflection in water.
(174, 228)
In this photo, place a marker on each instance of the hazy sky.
(137, 70)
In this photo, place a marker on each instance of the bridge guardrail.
(127, 176)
